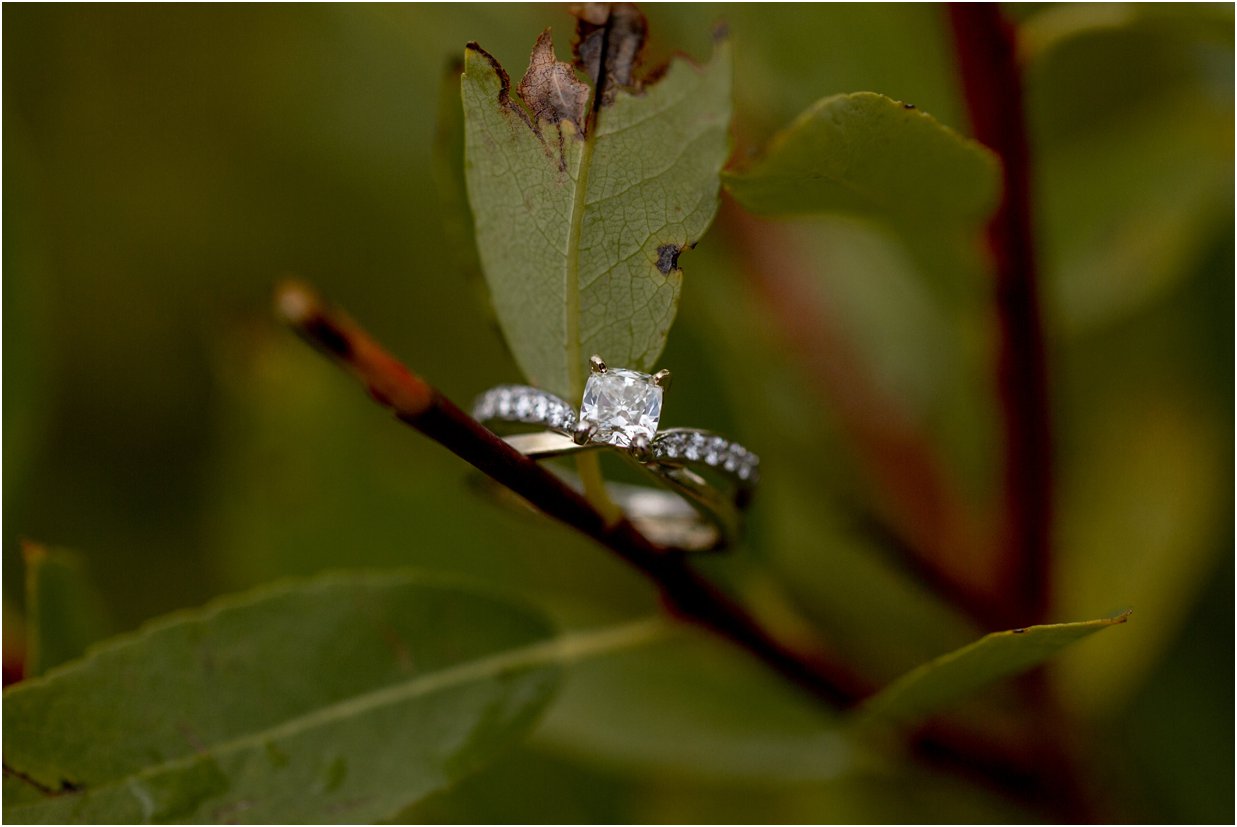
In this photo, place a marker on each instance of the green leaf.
(579, 232)
(944, 680)
(342, 698)
(1109, 93)
(867, 153)
(64, 612)
(691, 707)
(1143, 516)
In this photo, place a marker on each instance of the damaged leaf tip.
(608, 47)
(554, 209)
(550, 87)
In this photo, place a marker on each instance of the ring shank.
(693, 516)
(704, 481)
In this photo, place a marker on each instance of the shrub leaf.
(344, 698)
(580, 212)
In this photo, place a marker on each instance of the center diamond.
(623, 403)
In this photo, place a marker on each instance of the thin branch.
(987, 60)
(993, 87)
(686, 594)
(416, 403)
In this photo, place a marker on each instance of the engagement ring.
(712, 477)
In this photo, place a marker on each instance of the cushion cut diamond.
(623, 403)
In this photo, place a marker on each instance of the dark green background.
(166, 165)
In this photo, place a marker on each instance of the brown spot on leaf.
(550, 87)
(668, 258)
(609, 42)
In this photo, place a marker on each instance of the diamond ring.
(621, 409)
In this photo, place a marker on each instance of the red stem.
(993, 88)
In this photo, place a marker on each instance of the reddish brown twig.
(986, 48)
(418, 404)
(686, 594)
(993, 88)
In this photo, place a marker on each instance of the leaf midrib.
(563, 649)
(572, 275)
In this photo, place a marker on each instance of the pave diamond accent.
(519, 403)
(675, 446)
(623, 403)
(685, 445)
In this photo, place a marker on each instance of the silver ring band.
(712, 476)
(520, 404)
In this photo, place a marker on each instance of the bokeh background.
(165, 166)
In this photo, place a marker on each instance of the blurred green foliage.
(64, 613)
(165, 165)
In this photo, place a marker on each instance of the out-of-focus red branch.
(922, 513)
(985, 46)
(993, 87)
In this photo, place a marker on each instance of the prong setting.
(584, 431)
(596, 364)
(662, 379)
(642, 448)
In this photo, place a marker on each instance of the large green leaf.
(343, 698)
(692, 707)
(867, 153)
(580, 230)
(937, 684)
(64, 612)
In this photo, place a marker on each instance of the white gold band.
(712, 478)
(523, 405)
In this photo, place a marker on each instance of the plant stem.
(992, 84)
(588, 466)
(686, 594)
(986, 49)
